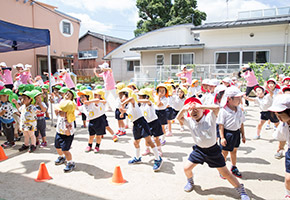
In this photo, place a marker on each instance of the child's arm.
(97, 74)
(243, 133)
(215, 108)
(96, 101)
(222, 135)
(158, 102)
(184, 109)
(2, 112)
(250, 99)
(129, 100)
(16, 104)
(144, 101)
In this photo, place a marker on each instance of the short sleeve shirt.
(63, 125)
(230, 119)
(164, 101)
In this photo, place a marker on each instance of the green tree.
(156, 14)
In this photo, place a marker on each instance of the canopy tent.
(17, 38)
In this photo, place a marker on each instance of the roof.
(185, 46)
(244, 23)
(101, 36)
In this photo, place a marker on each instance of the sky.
(118, 18)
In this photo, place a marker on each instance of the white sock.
(123, 129)
(159, 148)
(163, 137)
(120, 129)
(137, 153)
(156, 154)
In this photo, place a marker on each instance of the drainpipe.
(286, 43)
(104, 41)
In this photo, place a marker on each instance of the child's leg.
(91, 140)
(26, 138)
(68, 155)
(281, 145)
(60, 152)
(169, 133)
(98, 140)
(276, 124)
(137, 148)
(110, 130)
(153, 147)
(32, 137)
(287, 182)
(147, 150)
(260, 126)
(188, 167)
(231, 178)
(234, 156)
(9, 132)
(225, 154)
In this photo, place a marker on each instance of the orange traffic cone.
(42, 173)
(2, 154)
(117, 176)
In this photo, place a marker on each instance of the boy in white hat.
(231, 125)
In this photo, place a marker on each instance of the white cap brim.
(277, 108)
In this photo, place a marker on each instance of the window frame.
(87, 58)
(181, 58)
(160, 54)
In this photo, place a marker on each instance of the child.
(161, 100)
(65, 133)
(41, 123)
(194, 88)
(79, 103)
(6, 117)
(230, 121)
(97, 126)
(146, 105)
(121, 124)
(140, 127)
(169, 110)
(201, 123)
(178, 102)
(281, 107)
(264, 102)
(27, 120)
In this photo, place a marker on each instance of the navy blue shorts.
(118, 113)
(287, 161)
(40, 128)
(233, 139)
(104, 116)
(63, 142)
(84, 117)
(268, 115)
(174, 113)
(97, 126)
(218, 131)
(141, 128)
(162, 116)
(212, 156)
(169, 112)
(155, 128)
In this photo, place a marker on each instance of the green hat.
(78, 86)
(21, 88)
(11, 97)
(28, 87)
(74, 94)
(63, 90)
(45, 87)
(6, 91)
(35, 93)
(83, 88)
(57, 87)
(38, 88)
(99, 87)
(30, 95)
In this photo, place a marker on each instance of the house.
(64, 33)
(92, 48)
(220, 47)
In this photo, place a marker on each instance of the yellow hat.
(132, 84)
(100, 92)
(148, 92)
(68, 107)
(130, 93)
(170, 89)
(193, 82)
(183, 89)
(86, 92)
(164, 86)
(120, 86)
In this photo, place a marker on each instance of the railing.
(270, 12)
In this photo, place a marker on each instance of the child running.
(140, 127)
(201, 121)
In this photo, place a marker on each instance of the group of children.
(213, 112)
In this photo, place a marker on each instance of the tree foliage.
(156, 14)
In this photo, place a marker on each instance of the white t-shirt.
(28, 118)
(230, 119)
(148, 112)
(204, 131)
(209, 99)
(164, 101)
(282, 133)
(92, 111)
(204, 97)
(62, 125)
(177, 103)
(134, 113)
(264, 103)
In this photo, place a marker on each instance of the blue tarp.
(16, 38)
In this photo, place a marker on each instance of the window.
(159, 59)
(92, 54)
(66, 28)
(230, 60)
(182, 59)
(255, 56)
(132, 64)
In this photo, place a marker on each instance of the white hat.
(220, 88)
(273, 80)
(212, 82)
(205, 82)
(232, 91)
(19, 65)
(227, 80)
(245, 66)
(182, 67)
(28, 66)
(281, 75)
(281, 103)
(234, 78)
(104, 66)
(3, 64)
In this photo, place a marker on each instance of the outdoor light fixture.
(252, 34)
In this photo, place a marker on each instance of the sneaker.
(69, 167)
(188, 187)
(181, 129)
(20, 134)
(279, 155)
(4, 144)
(242, 192)
(287, 196)
(32, 148)
(157, 164)
(222, 177)
(236, 172)
(17, 139)
(118, 132)
(163, 142)
(126, 126)
(47, 118)
(169, 134)
(60, 160)
(8, 144)
(96, 150)
(268, 127)
(83, 126)
(37, 143)
(275, 128)
(115, 138)
(257, 137)
(88, 149)
(23, 147)
(134, 160)
(146, 152)
(43, 144)
(122, 133)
